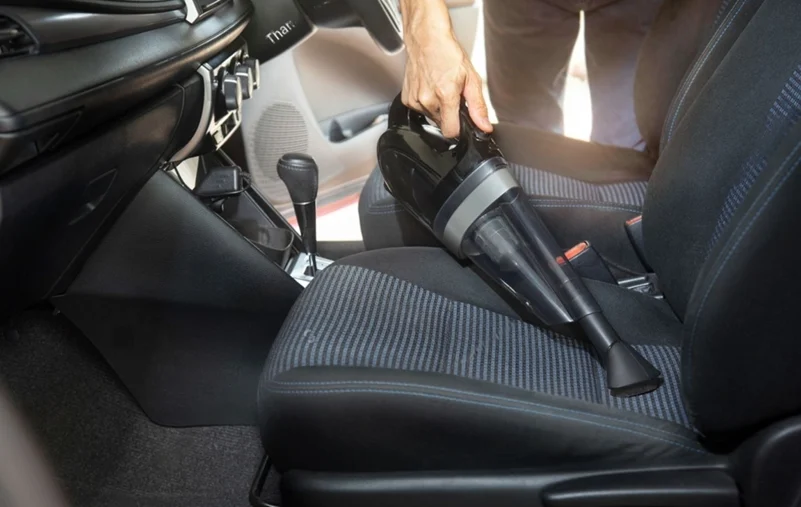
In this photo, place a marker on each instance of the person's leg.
(528, 46)
(614, 35)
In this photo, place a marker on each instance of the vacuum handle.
(401, 116)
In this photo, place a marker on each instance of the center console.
(197, 275)
(228, 79)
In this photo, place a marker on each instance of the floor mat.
(102, 446)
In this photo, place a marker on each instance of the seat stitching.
(603, 207)
(389, 209)
(385, 206)
(719, 37)
(489, 396)
(697, 70)
(385, 212)
(734, 247)
(486, 404)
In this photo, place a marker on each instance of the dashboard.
(67, 72)
(95, 96)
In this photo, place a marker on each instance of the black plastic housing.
(54, 211)
(421, 167)
(189, 308)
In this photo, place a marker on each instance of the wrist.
(425, 22)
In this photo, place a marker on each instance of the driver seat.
(401, 378)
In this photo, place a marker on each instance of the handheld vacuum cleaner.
(463, 192)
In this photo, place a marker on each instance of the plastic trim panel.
(101, 76)
(57, 30)
(108, 6)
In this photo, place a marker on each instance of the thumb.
(474, 95)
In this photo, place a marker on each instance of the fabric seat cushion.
(371, 366)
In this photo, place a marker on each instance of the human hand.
(438, 71)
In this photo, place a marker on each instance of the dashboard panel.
(104, 99)
(115, 6)
(48, 99)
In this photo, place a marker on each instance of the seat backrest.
(679, 32)
(687, 41)
(721, 216)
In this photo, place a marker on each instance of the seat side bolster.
(364, 419)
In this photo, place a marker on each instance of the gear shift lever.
(300, 175)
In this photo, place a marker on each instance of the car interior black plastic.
(52, 213)
(763, 471)
(57, 30)
(102, 80)
(191, 308)
(112, 6)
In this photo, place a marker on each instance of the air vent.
(14, 39)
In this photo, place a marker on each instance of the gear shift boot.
(299, 268)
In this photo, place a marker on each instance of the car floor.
(103, 448)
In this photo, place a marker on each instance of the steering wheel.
(382, 19)
(25, 479)
(279, 25)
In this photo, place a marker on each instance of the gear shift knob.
(299, 173)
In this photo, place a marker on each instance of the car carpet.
(103, 448)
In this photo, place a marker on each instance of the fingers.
(428, 103)
(474, 95)
(438, 74)
(449, 99)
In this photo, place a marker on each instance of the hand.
(438, 71)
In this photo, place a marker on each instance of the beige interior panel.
(455, 4)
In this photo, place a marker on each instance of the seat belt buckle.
(588, 263)
(634, 231)
(646, 284)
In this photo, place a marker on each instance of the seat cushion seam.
(578, 204)
(485, 404)
(484, 395)
(551, 203)
(388, 211)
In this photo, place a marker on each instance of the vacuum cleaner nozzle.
(463, 192)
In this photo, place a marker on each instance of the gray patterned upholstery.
(535, 182)
(545, 184)
(783, 115)
(356, 317)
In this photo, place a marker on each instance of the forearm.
(423, 20)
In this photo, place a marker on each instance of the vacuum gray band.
(474, 206)
(484, 170)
